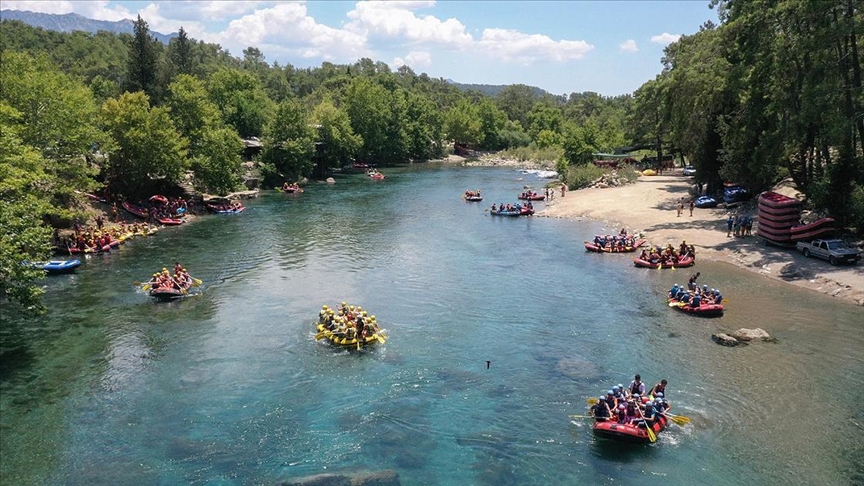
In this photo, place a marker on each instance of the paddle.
(592, 401)
(678, 419)
(651, 435)
(196, 281)
(677, 304)
(581, 416)
(321, 334)
(379, 338)
(146, 287)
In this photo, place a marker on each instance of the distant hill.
(72, 22)
(491, 89)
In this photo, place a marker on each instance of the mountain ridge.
(71, 22)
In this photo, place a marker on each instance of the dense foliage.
(775, 90)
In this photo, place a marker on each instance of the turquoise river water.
(230, 387)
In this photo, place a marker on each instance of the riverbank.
(649, 206)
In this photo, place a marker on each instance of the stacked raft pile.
(779, 218)
(777, 215)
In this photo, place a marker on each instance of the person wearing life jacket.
(620, 393)
(622, 414)
(649, 414)
(673, 292)
(636, 386)
(696, 301)
(610, 400)
(659, 406)
(665, 403)
(718, 297)
(631, 416)
(601, 411)
(659, 388)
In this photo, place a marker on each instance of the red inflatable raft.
(777, 201)
(704, 310)
(627, 249)
(627, 432)
(682, 262)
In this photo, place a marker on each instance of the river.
(229, 386)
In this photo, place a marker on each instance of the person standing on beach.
(680, 207)
(692, 205)
(729, 222)
(691, 283)
(563, 189)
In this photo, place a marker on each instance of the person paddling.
(601, 411)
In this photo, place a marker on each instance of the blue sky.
(563, 47)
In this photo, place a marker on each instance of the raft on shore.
(682, 263)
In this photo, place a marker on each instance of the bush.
(581, 175)
(534, 153)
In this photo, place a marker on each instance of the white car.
(689, 170)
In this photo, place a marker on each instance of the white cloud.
(665, 38)
(389, 20)
(414, 59)
(629, 46)
(526, 49)
(288, 29)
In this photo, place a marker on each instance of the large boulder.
(725, 340)
(751, 334)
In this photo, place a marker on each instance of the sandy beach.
(649, 206)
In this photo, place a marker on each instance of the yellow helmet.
(372, 317)
(359, 308)
(343, 303)
(351, 307)
(364, 313)
(324, 307)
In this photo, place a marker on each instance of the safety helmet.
(343, 303)
(359, 308)
(615, 389)
(659, 394)
(622, 406)
(620, 386)
(658, 400)
(372, 317)
(610, 392)
(324, 307)
(365, 313)
(705, 287)
(602, 398)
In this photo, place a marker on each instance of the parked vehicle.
(689, 170)
(835, 251)
(733, 193)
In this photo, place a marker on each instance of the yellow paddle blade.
(651, 435)
(592, 401)
(196, 281)
(679, 420)
(146, 287)
(580, 416)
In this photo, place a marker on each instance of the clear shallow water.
(229, 387)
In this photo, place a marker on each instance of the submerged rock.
(386, 477)
(725, 339)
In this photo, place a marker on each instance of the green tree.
(462, 124)
(337, 141)
(148, 150)
(516, 101)
(192, 111)
(180, 54)
(56, 116)
(423, 127)
(242, 100)
(143, 61)
(544, 117)
(217, 163)
(579, 143)
(290, 141)
(377, 116)
(492, 122)
(25, 202)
